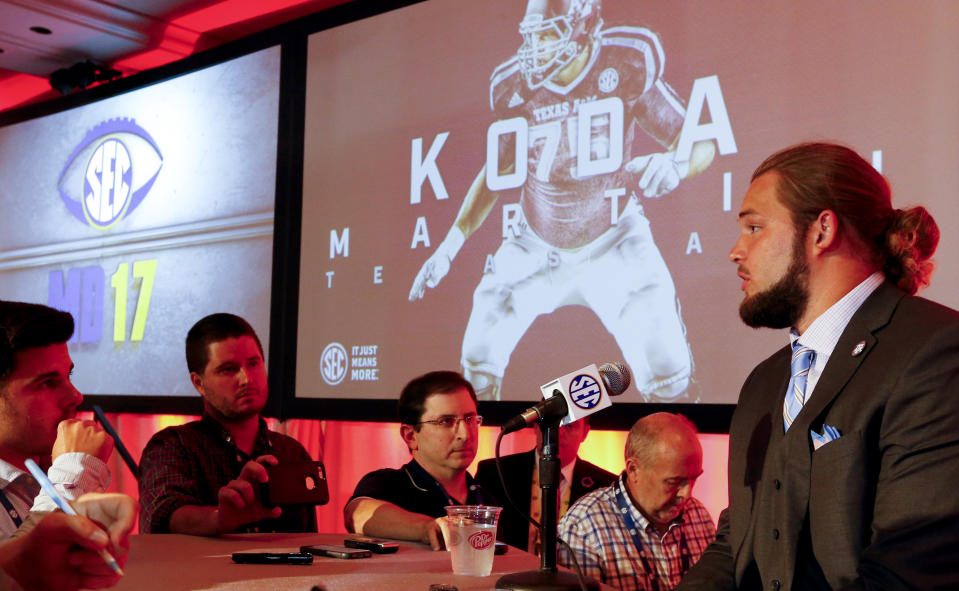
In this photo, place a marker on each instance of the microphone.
(575, 395)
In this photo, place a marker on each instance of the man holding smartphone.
(203, 478)
(440, 426)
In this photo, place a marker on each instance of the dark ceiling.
(37, 38)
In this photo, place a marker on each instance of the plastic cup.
(472, 538)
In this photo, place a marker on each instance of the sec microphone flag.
(584, 390)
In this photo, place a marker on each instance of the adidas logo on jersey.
(514, 100)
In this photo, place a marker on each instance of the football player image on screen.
(571, 103)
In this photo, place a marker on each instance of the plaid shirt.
(189, 464)
(596, 532)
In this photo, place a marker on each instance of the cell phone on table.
(336, 551)
(500, 548)
(375, 545)
(295, 483)
(272, 558)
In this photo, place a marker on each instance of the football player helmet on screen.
(554, 33)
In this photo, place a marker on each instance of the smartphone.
(374, 545)
(501, 548)
(295, 483)
(336, 551)
(272, 558)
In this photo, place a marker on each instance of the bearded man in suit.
(844, 446)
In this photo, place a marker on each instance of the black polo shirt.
(413, 488)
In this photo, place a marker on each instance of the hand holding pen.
(117, 513)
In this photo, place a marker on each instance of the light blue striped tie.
(802, 360)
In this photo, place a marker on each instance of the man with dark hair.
(521, 472)
(203, 478)
(644, 531)
(844, 446)
(440, 426)
(38, 407)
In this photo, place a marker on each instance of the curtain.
(350, 449)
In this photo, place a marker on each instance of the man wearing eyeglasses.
(440, 426)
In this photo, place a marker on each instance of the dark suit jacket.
(876, 508)
(518, 472)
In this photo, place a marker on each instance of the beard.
(783, 304)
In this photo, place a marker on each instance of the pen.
(117, 442)
(65, 506)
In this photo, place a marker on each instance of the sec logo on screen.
(109, 173)
(333, 364)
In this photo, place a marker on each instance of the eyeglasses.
(451, 421)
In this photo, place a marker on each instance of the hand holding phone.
(374, 545)
(272, 558)
(295, 483)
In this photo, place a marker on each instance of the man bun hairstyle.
(817, 176)
(911, 241)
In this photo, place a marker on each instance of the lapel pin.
(859, 348)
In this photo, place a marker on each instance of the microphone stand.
(548, 577)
